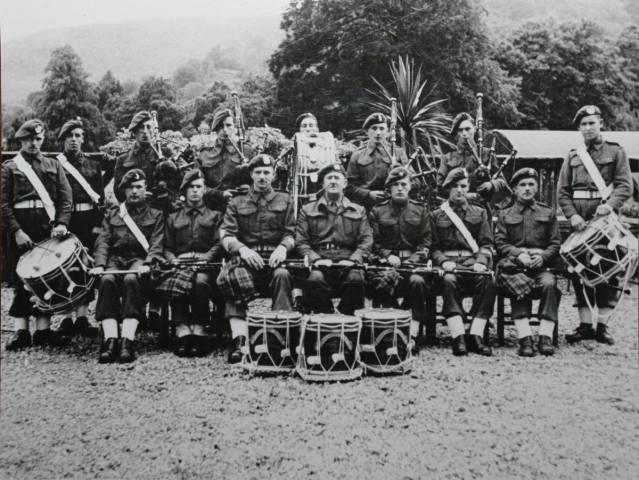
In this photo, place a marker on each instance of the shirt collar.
(521, 206)
(345, 203)
(371, 146)
(136, 210)
(596, 143)
(255, 196)
(199, 209)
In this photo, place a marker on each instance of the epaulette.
(545, 205)
(612, 143)
(383, 202)
(416, 202)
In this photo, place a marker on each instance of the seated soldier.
(130, 238)
(258, 232)
(191, 233)
(527, 239)
(401, 232)
(462, 238)
(333, 231)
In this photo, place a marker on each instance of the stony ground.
(572, 416)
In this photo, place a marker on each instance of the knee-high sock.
(129, 326)
(20, 323)
(546, 328)
(478, 326)
(182, 330)
(110, 328)
(604, 315)
(238, 327)
(456, 326)
(523, 328)
(414, 328)
(42, 323)
(585, 315)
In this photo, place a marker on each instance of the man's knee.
(131, 280)
(316, 276)
(281, 274)
(547, 280)
(355, 277)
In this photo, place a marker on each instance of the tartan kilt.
(383, 280)
(515, 284)
(176, 284)
(235, 281)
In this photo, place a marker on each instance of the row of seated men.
(335, 234)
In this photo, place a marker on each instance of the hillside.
(132, 50)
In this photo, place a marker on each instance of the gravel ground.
(572, 416)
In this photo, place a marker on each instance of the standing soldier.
(483, 188)
(334, 232)
(401, 232)
(594, 181)
(306, 123)
(462, 238)
(370, 164)
(223, 164)
(192, 233)
(527, 240)
(130, 239)
(85, 177)
(258, 231)
(36, 205)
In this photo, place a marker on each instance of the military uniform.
(261, 222)
(22, 209)
(223, 170)
(120, 296)
(141, 156)
(335, 232)
(532, 228)
(403, 231)
(577, 194)
(368, 169)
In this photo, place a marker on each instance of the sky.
(22, 17)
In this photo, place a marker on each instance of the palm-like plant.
(421, 122)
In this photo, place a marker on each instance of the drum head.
(383, 314)
(45, 257)
(332, 319)
(275, 315)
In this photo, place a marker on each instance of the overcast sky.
(21, 17)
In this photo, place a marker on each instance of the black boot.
(525, 347)
(21, 339)
(476, 345)
(199, 346)
(127, 351)
(583, 332)
(603, 336)
(545, 345)
(48, 337)
(414, 351)
(108, 350)
(235, 354)
(66, 327)
(459, 345)
(183, 346)
(84, 328)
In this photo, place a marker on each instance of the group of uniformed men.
(363, 215)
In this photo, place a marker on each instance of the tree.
(333, 47)
(109, 91)
(67, 94)
(564, 66)
(202, 107)
(256, 95)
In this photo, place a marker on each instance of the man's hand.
(323, 262)
(346, 263)
(144, 269)
(603, 209)
(376, 195)
(479, 267)
(227, 194)
(524, 259)
(448, 265)
(59, 231)
(394, 261)
(536, 261)
(252, 258)
(485, 187)
(577, 222)
(278, 256)
(96, 271)
(23, 240)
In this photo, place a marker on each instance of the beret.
(521, 174)
(190, 176)
(395, 175)
(298, 120)
(261, 160)
(134, 175)
(331, 167)
(219, 116)
(138, 119)
(585, 111)
(374, 119)
(30, 128)
(70, 125)
(454, 176)
(459, 118)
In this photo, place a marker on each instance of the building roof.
(548, 144)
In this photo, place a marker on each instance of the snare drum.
(603, 251)
(328, 348)
(56, 272)
(272, 341)
(385, 343)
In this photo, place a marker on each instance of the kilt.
(236, 282)
(176, 284)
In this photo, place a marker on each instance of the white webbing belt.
(78, 177)
(135, 230)
(594, 172)
(459, 224)
(37, 184)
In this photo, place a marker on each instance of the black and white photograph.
(319, 239)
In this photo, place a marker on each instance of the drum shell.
(383, 332)
(323, 337)
(277, 332)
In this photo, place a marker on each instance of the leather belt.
(533, 251)
(458, 253)
(403, 253)
(328, 246)
(586, 194)
(82, 207)
(29, 204)
(262, 248)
